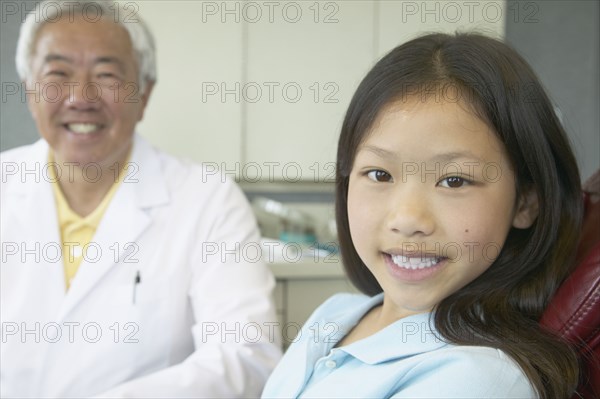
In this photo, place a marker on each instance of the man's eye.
(453, 182)
(56, 73)
(379, 176)
(106, 75)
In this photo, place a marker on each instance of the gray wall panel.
(560, 39)
(16, 125)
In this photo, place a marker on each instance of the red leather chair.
(574, 312)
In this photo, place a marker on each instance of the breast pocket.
(140, 293)
(139, 319)
(146, 304)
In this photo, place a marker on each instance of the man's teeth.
(414, 263)
(83, 128)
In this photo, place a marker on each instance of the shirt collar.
(66, 215)
(406, 337)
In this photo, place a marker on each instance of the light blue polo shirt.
(404, 360)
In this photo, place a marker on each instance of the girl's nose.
(409, 214)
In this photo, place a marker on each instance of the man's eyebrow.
(110, 60)
(56, 57)
(100, 60)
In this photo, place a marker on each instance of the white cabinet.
(260, 88)
(301, 288)
(198, 54)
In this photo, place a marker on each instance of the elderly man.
(125, 272)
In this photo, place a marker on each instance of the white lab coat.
(200, 322)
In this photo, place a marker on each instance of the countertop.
(308, 268)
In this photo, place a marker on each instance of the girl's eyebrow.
(448, 157)
(445, 157)
(380, 152)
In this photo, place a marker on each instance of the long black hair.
(500, 308)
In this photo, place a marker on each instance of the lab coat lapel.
(125, 220)
(34, 205)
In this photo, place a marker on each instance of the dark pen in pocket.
(138, 279)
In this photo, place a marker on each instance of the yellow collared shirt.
(76, 232)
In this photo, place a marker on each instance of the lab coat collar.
(34, 171)
(143, 172)
(127, 216)
(34, 199)
(151, 187)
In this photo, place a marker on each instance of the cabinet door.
(303, 297)
(198, 52)
(400, 21)
(303, 68)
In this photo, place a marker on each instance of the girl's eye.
(379, 176)
(453, 182)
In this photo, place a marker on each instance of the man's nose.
(83, 95)
(410, 213)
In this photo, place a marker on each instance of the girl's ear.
(526, 211)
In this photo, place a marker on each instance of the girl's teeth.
(414, 263)
(82, 128)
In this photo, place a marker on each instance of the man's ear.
(147, 92)
(28, 98)
(527, 210)
(145, 97)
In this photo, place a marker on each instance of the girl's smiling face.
(431, 199)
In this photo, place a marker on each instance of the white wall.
(311, 54)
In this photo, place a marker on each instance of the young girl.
(458, 211)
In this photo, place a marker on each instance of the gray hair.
(51, 11)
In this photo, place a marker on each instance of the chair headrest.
(574, 311)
